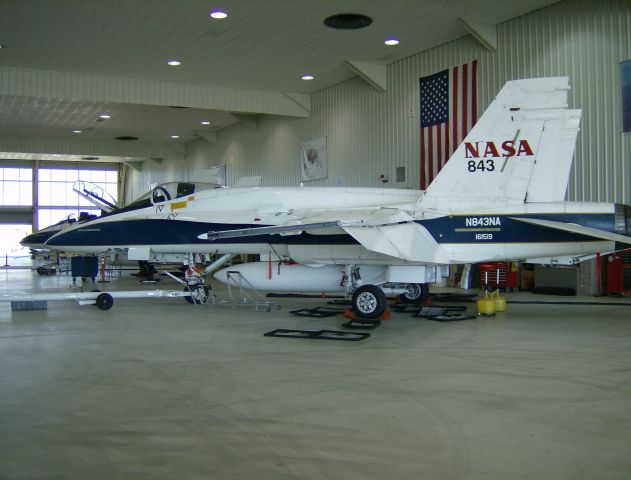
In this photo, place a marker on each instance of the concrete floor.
(160, 389)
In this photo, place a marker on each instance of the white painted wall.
(371, 133)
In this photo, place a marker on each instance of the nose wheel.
(199, 293)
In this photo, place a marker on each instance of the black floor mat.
(300, 295)
(339, 302)
(444, 313)
(454, 297)
(365, 324)
(318, 334)
(450, 317)
(317, 312)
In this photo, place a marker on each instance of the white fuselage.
(434, 238)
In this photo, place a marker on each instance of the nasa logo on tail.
(487, 151)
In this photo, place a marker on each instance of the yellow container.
(500, 301)
(485, 305)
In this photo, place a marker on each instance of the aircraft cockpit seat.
(184, 189)
(83, 216)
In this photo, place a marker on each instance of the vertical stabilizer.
(520, 150)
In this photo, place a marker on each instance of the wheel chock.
(348, 313)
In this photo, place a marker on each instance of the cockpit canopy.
(170, 191)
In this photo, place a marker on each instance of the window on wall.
(16, 186)
(56, 198)
(55, 185)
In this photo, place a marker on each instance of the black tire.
(417, 293)
(199, 294)
(104, 301)
(369, 301)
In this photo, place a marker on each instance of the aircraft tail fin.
(519, 151)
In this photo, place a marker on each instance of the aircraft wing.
(315, 222)
(575, 228)
(388, 231)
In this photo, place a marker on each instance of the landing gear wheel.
(199, 293)
(104, 301)
(417, 293)
(369, 301)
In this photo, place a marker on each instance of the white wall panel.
(371, 133)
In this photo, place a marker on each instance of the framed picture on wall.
(313, 159)
(626, 95)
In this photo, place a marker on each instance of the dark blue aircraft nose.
(37, 238)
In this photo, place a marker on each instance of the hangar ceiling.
(63, 63)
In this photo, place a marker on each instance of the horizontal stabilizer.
(408, 241)
(579, 229)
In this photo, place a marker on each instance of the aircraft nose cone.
(37, 238)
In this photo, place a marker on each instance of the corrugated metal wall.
(371, 133)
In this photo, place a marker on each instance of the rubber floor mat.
(318, 334)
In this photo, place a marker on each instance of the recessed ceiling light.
(392, 41)
(307, 77)
(218, 14)
(174, 63)
(348, 21)
(205, 122)
(175, 136)
(105, 116)
(77, 131)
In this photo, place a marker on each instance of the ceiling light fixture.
(77, 131)
(307, 77)
(174, 63)
(205, 122)
(175, 136)
(218, 14)
(105, 116)
(390, 41)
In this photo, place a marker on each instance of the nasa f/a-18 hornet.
(500, 197)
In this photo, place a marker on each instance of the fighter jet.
(500, 197)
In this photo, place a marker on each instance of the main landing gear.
(369, 301)
(416, 293)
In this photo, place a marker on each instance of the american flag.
(448, 111)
